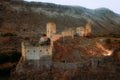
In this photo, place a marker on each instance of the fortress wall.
(32, 53)
(35, 52)
(68, 33)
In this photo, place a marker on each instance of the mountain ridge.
(37, 14)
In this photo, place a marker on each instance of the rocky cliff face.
(33, 16)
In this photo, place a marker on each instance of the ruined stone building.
(35, 52)
(80, 31)
(84, 31)
(42, 49)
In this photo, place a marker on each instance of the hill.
(33, 16)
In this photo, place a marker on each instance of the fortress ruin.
(42, 48)
(84, 31)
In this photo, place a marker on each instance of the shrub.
(102, 35)
(27, 38)
(44, 35)
(108, 41)
(63, 61)
(9, 57)
(8, 34)
(6, 71)
(114, 35)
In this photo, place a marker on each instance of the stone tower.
(88, 27)
(51, 29)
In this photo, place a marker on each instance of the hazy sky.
(114, 5)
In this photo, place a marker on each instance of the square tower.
(51, 29)
(88, 27)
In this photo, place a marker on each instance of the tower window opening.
(34, 51)
(40, 50)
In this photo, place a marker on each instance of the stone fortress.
(64, 53)
(43, 48)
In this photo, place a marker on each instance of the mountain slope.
(34, 16)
